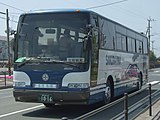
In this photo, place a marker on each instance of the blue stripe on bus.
(123, 89)
(96, 98)
(54, 89)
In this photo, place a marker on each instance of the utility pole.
(149, 37)
(152, 46)
(8, 44)
(149, 32)
(9, 58)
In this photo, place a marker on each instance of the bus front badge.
(45, 77)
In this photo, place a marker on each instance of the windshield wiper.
(23, 60)
(50, 60)
(64, 62)
(70, 64)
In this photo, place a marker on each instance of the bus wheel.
(139, 84)
(108, 93)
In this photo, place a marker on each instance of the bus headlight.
(19, 84)
(78, 85)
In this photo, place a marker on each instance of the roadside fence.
(148, 101)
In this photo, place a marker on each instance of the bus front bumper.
(58, 97)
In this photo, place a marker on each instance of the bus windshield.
(58, 36)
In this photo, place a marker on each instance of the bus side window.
(145, 46)
(133, 45)
(124, 48)
(139, 46)
(118, 41)
(129, 42)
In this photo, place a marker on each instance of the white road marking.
(154, 82)
(19, 111)
(4, 93)
(155, 74)
(5, 97)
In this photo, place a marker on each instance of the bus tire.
(140, 83)
(108, 93)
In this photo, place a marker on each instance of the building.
(4, 51)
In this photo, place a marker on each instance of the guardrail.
(127, 110)
(149, 98)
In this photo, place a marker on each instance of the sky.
(131, 13)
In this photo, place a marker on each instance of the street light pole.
(9, 59)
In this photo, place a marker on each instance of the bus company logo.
(45, 77)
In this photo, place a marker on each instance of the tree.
(152, 59)
(152, 56)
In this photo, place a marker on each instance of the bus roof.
(58, 10)
(82, 11)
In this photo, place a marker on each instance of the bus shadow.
(58, 112)
(73, 111)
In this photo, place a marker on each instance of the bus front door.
(94, 58)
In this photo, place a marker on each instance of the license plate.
(46, 98)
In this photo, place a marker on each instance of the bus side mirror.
(87, 38)
(89, 26)
(12, 32)
(85, 43)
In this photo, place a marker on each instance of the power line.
(12, 7)
(13, 21)
(3, 18)
(131, 12)
(9, 20)
(6, 18)
(14, 13)
(107, 4)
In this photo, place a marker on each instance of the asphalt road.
(11, 110)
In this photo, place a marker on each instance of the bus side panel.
(123, 69)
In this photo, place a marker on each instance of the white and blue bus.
(76, 57)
